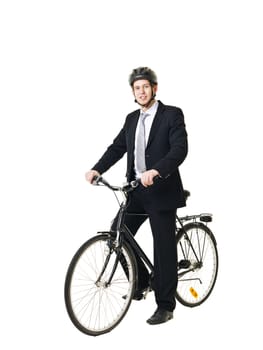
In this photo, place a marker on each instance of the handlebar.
(129, 186)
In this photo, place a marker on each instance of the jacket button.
(147, 155)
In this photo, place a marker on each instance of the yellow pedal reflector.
(194, 292)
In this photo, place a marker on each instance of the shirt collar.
(153, 109)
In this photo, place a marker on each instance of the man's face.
(143, 91)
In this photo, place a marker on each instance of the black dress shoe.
(160, 316)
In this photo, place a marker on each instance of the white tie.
(141, 144)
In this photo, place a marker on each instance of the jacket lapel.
(132, 130)
(156, 122)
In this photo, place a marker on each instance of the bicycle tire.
(196, 277)
(94, 307)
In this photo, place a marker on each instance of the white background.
(64, 96)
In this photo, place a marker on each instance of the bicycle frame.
(103, 277)
(123, 233)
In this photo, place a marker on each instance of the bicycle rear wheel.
(197, 264)
(95, 306)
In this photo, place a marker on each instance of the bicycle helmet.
(143, 73)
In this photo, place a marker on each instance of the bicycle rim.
(197, 264)
(94, 306)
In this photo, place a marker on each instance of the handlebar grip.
(100, 180)
(95, 180)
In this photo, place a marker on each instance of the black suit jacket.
(165, 151)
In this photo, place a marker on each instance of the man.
(155, 140)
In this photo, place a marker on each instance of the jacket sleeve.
(113, 153)
(178, 146)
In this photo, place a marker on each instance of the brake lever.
(135, 183)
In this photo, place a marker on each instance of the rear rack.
(204, 217)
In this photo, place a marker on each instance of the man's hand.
(91, 174)
(148, 176)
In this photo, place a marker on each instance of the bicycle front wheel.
(95, 300)
(197, 264)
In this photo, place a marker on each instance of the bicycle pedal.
(146, 292)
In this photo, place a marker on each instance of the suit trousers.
(163, 226)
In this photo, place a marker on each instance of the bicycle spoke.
(94, 303)
(198, 264)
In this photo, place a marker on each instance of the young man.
(155, 140)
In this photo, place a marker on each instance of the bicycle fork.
(99, 282)
(113, 246)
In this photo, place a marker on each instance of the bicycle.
(102, 276)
